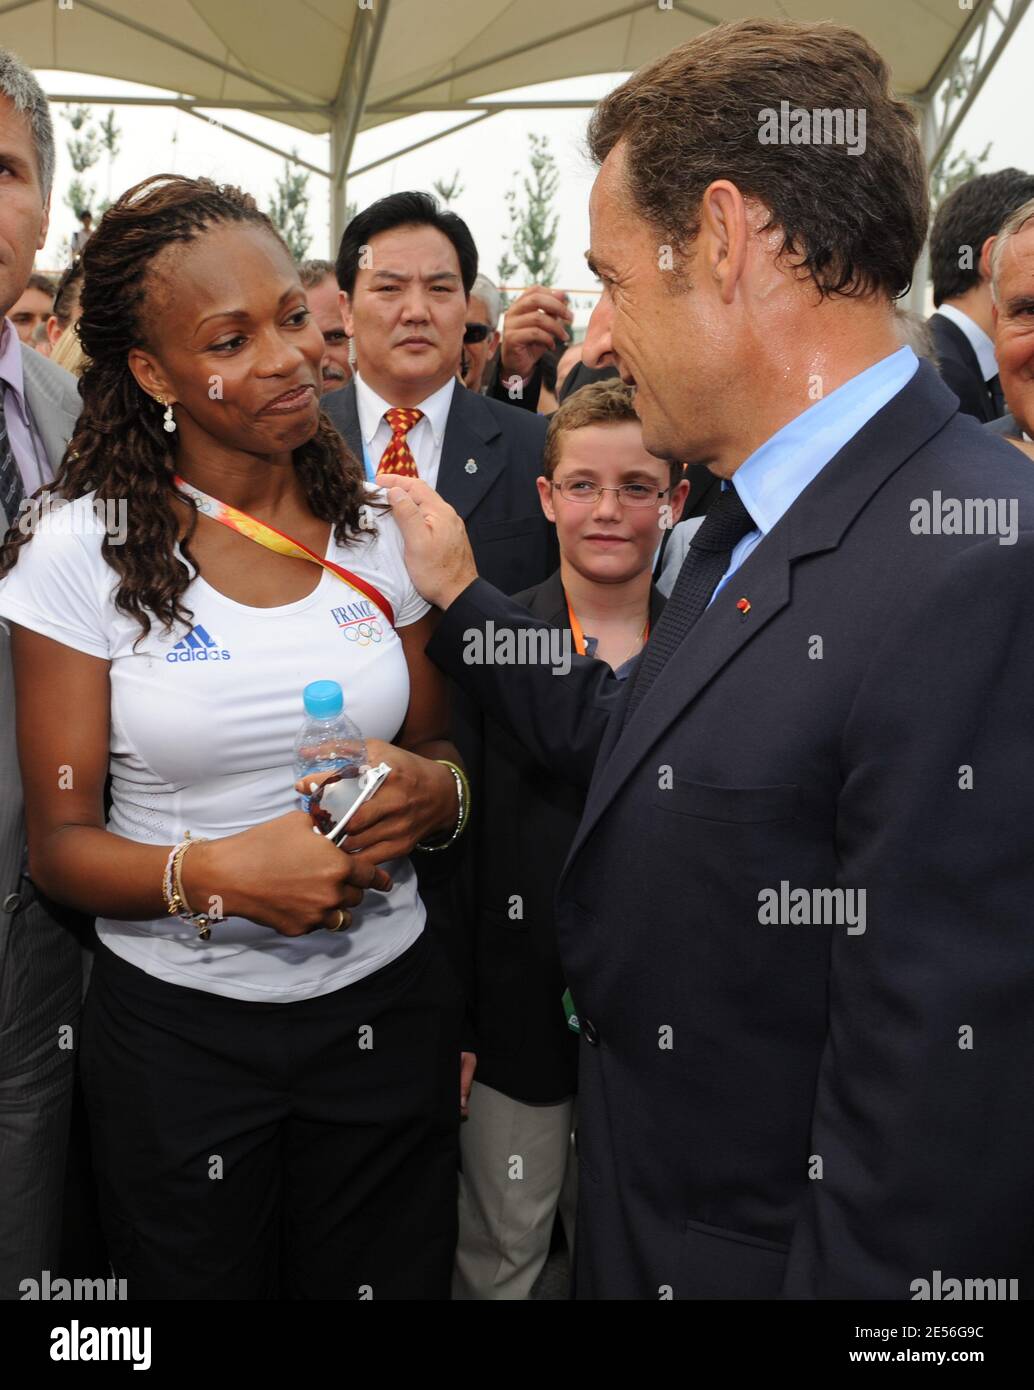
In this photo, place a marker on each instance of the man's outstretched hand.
(438, 554)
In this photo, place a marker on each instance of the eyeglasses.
(629, 494)
(476, 332)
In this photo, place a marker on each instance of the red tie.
(398, 457)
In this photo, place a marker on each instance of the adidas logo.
(197, 646)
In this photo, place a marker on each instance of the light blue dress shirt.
(775, 475)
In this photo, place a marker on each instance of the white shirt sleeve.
(410, 606)
(55, 587)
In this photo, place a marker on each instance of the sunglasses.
(476, 332)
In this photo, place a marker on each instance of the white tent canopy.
(342, 66)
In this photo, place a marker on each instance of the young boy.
(610, 501)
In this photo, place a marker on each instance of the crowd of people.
(648, 627)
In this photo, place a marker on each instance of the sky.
(488, 157)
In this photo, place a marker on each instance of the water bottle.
(328, 740)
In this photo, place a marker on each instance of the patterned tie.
(726, 523)
(12, 489)
(398, 457)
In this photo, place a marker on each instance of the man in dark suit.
(796, 915)
(960, 245)
(40, 963)
(405, 270)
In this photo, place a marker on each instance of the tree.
(84, 150)
(110, 135)
(957, 169)
(960, 167)
(533, 223)
(289, 207)
(448, 192)
(507, 267)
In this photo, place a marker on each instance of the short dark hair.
(43, 283)
(313, 273)
(855, 225)
(607, 402)
(965, 219)
(404, 210)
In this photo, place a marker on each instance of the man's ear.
(679, 495)
(44, 226)
(344, 300)
(545, 488)
(985, 259)
(148, 374)
(725, 231)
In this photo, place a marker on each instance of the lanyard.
(579, 636)
(272, 539)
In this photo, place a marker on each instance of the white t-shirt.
(203, 722)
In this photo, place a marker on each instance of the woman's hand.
(282, 874)
(415, 802)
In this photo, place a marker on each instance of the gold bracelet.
(463, 813)
(172, 888)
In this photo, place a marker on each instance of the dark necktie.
(727, 522)
(997, 398)
(12, 489)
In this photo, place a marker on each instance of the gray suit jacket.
(1006, 425)
(53, 399)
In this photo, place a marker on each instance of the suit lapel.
(815, 523)
(343, 412)
(53, 422)
(470, 464)
(549, 602)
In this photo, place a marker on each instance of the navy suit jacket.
(794, 1109)
(514, 545)
(959, 368)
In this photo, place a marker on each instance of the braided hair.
(119, 449)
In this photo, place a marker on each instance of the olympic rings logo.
(363, 634)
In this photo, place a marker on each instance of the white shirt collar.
(371, 409)
(978, 340)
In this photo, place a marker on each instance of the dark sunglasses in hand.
(476, 332)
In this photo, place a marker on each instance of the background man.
(1012, 288)
(481, 339)
(960, 243)
(787, 1088)
(33, 307)
(324, 302)
(40, 970)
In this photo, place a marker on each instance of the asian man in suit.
(796, 913)
(40, 962)
(406, 269)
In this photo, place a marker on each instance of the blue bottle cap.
(323, 699)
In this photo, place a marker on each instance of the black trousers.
(301, 1150)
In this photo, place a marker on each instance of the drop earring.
(168, 422)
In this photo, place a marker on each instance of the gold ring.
(340, 921)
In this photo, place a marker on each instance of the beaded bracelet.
(172, 888)
(463, 814)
